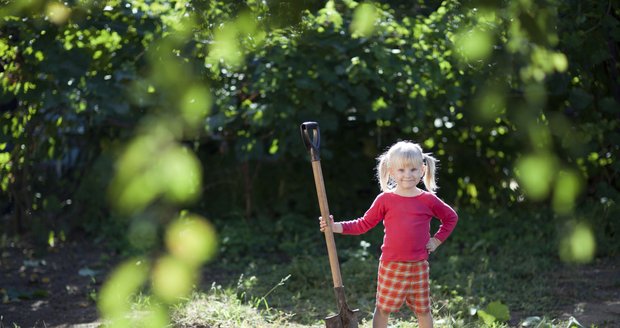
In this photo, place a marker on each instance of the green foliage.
(118, 114)
(494, 311)
(407, 74)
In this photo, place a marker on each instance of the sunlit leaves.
(232, 40)
(536, 172)
(273, 149)
(490, 103)
(475, 44)
(329, 15)
(154, 316)
(578, 244)
(195, 104)
(57, 12)
(378, 104)
(153, 165)
(567, 187)
(115, 296)
(192, 240)
(364, 19)
(4, 158)
(225, 47)
(539, 177)
(543, 62)
(172, 279)
(494, 311)
(23, 7)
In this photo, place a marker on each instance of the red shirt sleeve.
(446, 215)
(371, 218)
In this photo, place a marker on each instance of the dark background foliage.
(518, 100)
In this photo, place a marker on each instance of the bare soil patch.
(590, 293)
(51, 287)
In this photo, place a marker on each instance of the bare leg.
(425, 320)
(380, 318)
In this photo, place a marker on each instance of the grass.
(496, 270)
(221, 307)
(489, 266)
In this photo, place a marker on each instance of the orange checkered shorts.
(403, 281)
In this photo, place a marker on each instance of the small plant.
(262, 301)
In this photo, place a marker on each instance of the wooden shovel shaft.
(346, 318)
(329, 234)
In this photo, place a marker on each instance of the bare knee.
(380, 318)
(381, 312)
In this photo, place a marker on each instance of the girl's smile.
(407, 178)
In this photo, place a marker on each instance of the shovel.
(346, 318)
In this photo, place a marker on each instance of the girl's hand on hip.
(432, 244)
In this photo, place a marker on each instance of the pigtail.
(429, 173)
(383, 174)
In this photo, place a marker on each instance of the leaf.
(495, 311)
(364, 18)
(579, 245)
(536, 173)
(499, 311)
(488, 319)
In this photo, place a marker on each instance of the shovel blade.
(344, 319)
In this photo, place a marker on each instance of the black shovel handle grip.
(311, 135)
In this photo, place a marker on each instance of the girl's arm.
(371, 218)
(448, 218)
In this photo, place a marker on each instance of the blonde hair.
(401, 154)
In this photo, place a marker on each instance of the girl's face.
(407, 176)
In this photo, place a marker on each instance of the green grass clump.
(223, 308)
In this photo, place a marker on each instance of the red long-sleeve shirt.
(407, 222)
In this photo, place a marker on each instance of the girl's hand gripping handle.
(336, 227)
(311, 135)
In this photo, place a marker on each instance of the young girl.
(406, 212)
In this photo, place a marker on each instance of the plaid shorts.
(403, 281)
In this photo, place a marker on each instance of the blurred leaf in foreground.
(578, 245)
(536, 172)
(114, 300)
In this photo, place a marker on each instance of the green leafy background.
(137, 115)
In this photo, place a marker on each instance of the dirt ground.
(590, 293)
(56, 287)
